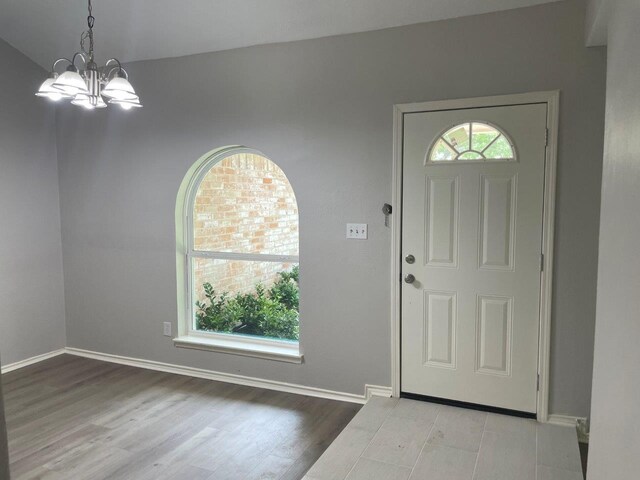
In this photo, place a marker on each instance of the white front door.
(471, 254)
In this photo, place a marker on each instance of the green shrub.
(285, 290)
(272, 313)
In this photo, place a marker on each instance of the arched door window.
(472, 141)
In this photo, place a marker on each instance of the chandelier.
(87, 87)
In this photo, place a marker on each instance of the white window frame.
(188, 336)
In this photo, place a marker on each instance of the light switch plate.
(357, 231)
(167, 329)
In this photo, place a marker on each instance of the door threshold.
(467, 405)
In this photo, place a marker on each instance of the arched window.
(240, 232)
(472, 141)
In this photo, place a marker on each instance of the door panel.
(470, 319)
(497, 221)
(440, 328)
(493, 330)
(442, 221)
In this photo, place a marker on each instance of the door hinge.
(542, 262)
(538, 383)
(546, 137)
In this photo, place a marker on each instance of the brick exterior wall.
(245, 204)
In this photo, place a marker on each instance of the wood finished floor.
(76, 418)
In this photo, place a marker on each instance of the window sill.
(268, 350)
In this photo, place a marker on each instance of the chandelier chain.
(90, 18)
(88, 34)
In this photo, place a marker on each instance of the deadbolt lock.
(410, 259)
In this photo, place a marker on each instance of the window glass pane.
(245, 204)
(472, 141)
(458, 137)
(442, 152)
(482, 135)
(246, 297)
(470, 156)
(500, 149)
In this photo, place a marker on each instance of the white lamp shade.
(88, 102)
(119, 89)
(83, 100)
(70, 83)
(127, 104)
(46, 90)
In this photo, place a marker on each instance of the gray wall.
(615, 428)
(32, 317)
(322, 109)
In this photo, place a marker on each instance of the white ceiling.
(148, 29)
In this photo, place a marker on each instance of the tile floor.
(391, 439)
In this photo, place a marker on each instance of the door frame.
(552, 100)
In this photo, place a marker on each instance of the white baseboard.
(370, 390)
(30, 361)
(376, 391)
(564, 420)
(579, 423)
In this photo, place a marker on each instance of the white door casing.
(471, 319)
